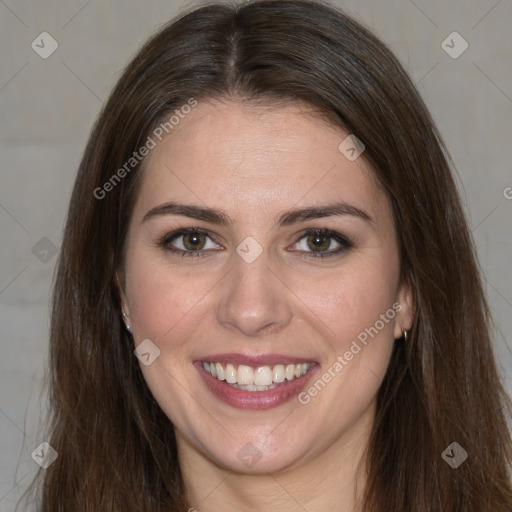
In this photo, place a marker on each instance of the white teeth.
(245, 375)
(263, 376)
(253, 387)
(230, 374)
(220, 371)
(290, 371)
(278, 373)
(260, 378)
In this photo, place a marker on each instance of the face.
(256, 247)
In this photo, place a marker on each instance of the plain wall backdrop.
(48, 106)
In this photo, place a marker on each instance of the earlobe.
(127, 322)
(126, 313)
(405, 316)
(125, 310)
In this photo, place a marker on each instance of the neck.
(333, 480)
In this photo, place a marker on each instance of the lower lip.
(256, 400)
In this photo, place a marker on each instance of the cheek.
(352, 300)
(357, 307)
(163, 302)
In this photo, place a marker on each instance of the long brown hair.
(117, 450)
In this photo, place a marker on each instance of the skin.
(255, 163)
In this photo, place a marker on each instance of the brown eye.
(189, 242)
(318, 242)
(322, 243)
(194, 240)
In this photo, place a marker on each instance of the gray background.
(48, 107)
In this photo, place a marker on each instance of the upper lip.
(255, 360)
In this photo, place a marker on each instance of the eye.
(322, 243)
(188, 242)
(195, 242)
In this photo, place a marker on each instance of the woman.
(267, 296)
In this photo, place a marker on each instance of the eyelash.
(344, 242)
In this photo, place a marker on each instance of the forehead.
(248, 158)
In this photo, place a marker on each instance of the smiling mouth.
(257, 378)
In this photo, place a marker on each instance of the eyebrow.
(219, 217)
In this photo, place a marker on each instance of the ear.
(125, 310)
(405, 314)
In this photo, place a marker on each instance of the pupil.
(317, 241)
(192, 240)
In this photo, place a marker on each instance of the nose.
(253, 300)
